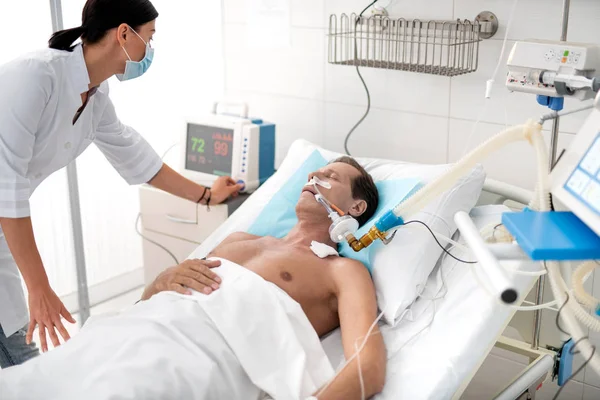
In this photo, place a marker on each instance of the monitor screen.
(209, 149)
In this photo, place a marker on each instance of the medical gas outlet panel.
(553, 69)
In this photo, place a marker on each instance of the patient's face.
(340, 177)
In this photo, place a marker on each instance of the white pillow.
(401, 269)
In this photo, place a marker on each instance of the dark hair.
(100, 16)
(363, 188)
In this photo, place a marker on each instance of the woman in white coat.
(53, 104)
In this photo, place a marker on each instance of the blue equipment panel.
(266, 160)
(553, 236)
(565, 367)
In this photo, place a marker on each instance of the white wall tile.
(234, 11)
(387, 134)
(533, 18)
(304, 13)
(409, 9)
(572, 391)
(591, 377)
(297, 71)
(308, 13)
(395, 90)
(514, 164)
(538, 19)
(496, 372)
(584, 21)
(591, 392)
(295, 118)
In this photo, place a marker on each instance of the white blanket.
(246, 337)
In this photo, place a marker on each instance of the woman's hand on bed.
(190, 274)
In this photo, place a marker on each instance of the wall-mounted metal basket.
(447, 48)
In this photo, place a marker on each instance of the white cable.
(529, 273)
(152, 241)
(360, 377)
(168, 150)
(549, 305)
(563, 113)
(531, 303)
(474, 129)
(465, 248)
(517, 308)
(490, 82)
(397, 350)
(364, 342)
(138, 231)
(506, 94)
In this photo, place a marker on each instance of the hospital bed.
(455, 322)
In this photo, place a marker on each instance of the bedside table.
(177, 224)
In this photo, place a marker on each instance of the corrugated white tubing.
(447, 180)
(541, 198)
(577, 281)
(573, 310)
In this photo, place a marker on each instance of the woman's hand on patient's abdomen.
(190, 274)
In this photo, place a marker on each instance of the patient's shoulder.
(350, 275)
(238, 237)
(343, 266)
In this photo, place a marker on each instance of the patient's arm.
(357, 308)
(190, 274)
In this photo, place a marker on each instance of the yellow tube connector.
(366, 240)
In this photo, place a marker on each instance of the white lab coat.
(39, 96)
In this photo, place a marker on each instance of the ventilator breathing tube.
(577, 281)
(409, 206)
(572, 311)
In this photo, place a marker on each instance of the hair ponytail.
(99, 16)
(63, 40)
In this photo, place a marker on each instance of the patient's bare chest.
(283, 265)
(301, 274)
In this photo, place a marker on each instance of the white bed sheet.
(424, 362)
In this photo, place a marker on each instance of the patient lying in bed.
(332, 292)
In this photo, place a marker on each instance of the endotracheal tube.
(342, 226)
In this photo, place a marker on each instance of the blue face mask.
(135, 69)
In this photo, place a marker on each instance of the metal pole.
(82, 287)
(539, 293)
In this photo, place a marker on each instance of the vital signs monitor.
(228, 145)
